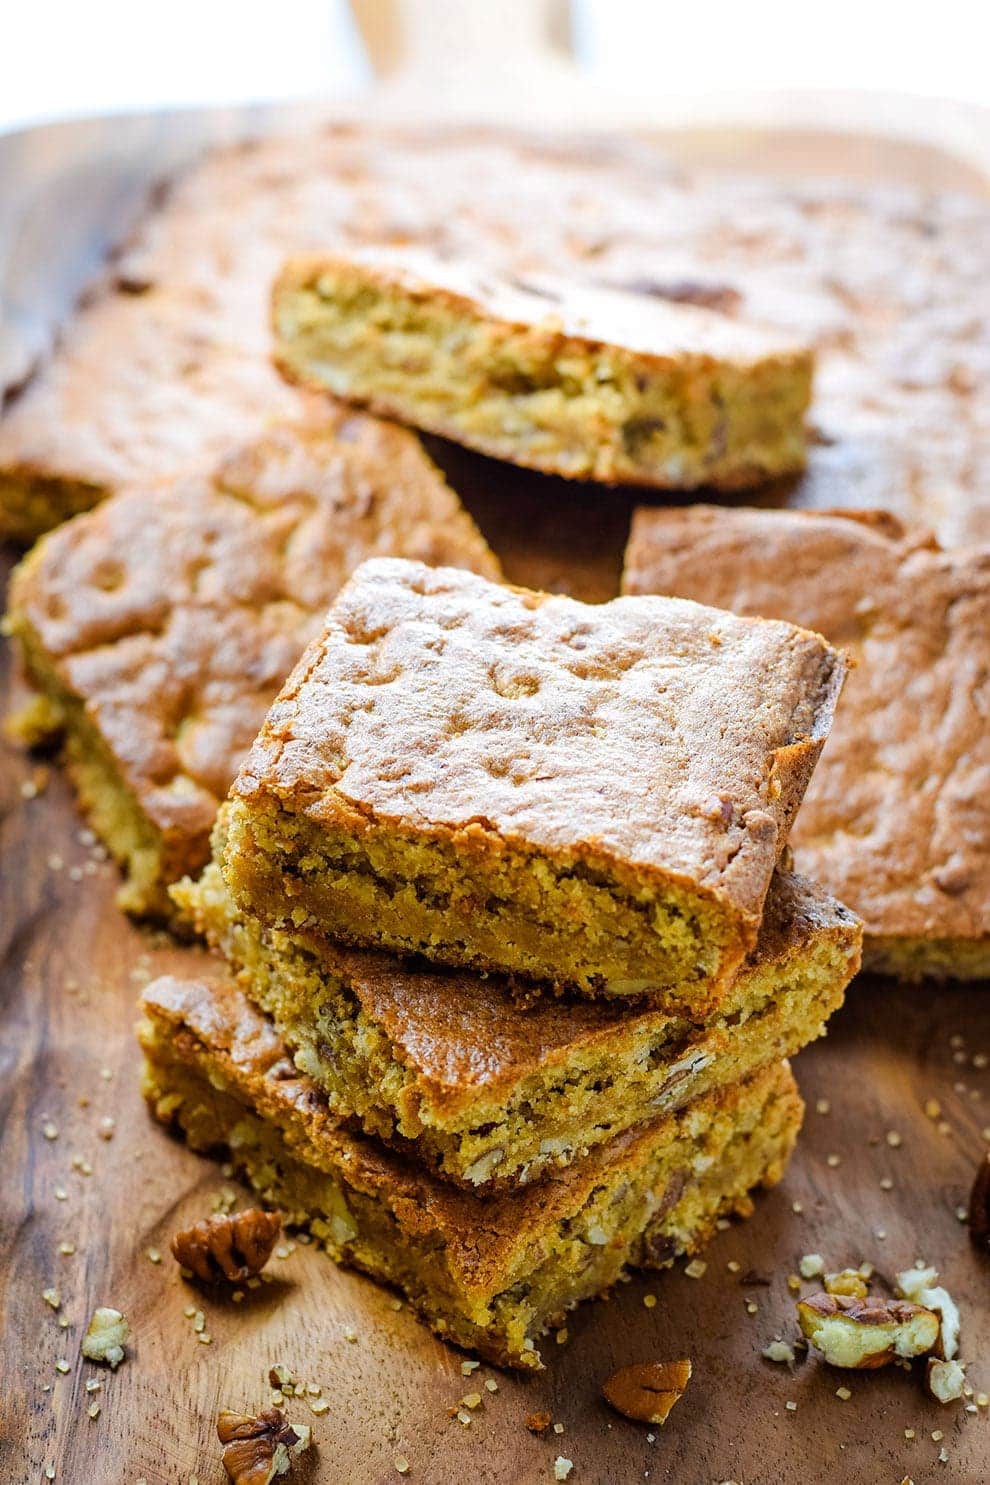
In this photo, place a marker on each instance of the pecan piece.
(234, 1246)
(979, 1207)
(257, 1448)
(847, 1281)
(537, 1422)
(647, 1391)
(866, 1333)
(105, 1337)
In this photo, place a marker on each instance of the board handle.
(453, 51)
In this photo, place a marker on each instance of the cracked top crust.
(658, 737)
(897, 818)
(211, 1025)
(176, 619)
(167, 363)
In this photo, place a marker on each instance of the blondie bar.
(593, 796)
(449, 1067)
(158, 628)
(489, 1273)
(585, 382)
(896, 821)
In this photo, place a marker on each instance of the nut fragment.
(866, 1333)
(921, 1286)
(105, 1337)
(648, 1391)
(257, 1448)
(847, 1281)
(945, 1380)
(537, 1422)
(979, 1207)
(233, 1246)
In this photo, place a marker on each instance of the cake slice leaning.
(451, 1068)
(490, 1274)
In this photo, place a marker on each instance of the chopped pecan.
(847, 1281)
(866, 1333)
(105, 1337)
(979, 1207)
(257, 1448)
(647, 1391)
(233, 1246)
(537, 1422)
(921, 1286)
(945, 1380)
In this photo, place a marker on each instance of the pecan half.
(647, 1391)
(979, 1207)
(865, 1333)
(256, 1448)
(234, 1246)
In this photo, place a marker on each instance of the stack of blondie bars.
(514, 961)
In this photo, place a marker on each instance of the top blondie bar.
(547, 372)
(591, 796)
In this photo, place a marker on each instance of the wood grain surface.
(70, 969)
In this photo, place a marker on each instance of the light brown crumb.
(823, 1106)
(51, 1297)
(649, 1300)
(844, 1393)
(893, 1139)
(696, 1268)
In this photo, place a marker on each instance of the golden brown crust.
(896, 820)
(174, 615)
(167, 364)
(652, 737)
(212, 1025)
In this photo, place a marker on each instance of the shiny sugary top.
(897, 818)
(657, 735)
(175, 619)
(650, 327)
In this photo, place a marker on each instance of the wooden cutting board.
(70, 968)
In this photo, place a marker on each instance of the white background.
(60, 58)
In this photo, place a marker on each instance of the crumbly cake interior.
(665, 1203)
(556, 1109)
(385, 887)
(540, 398)
(104, 798)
